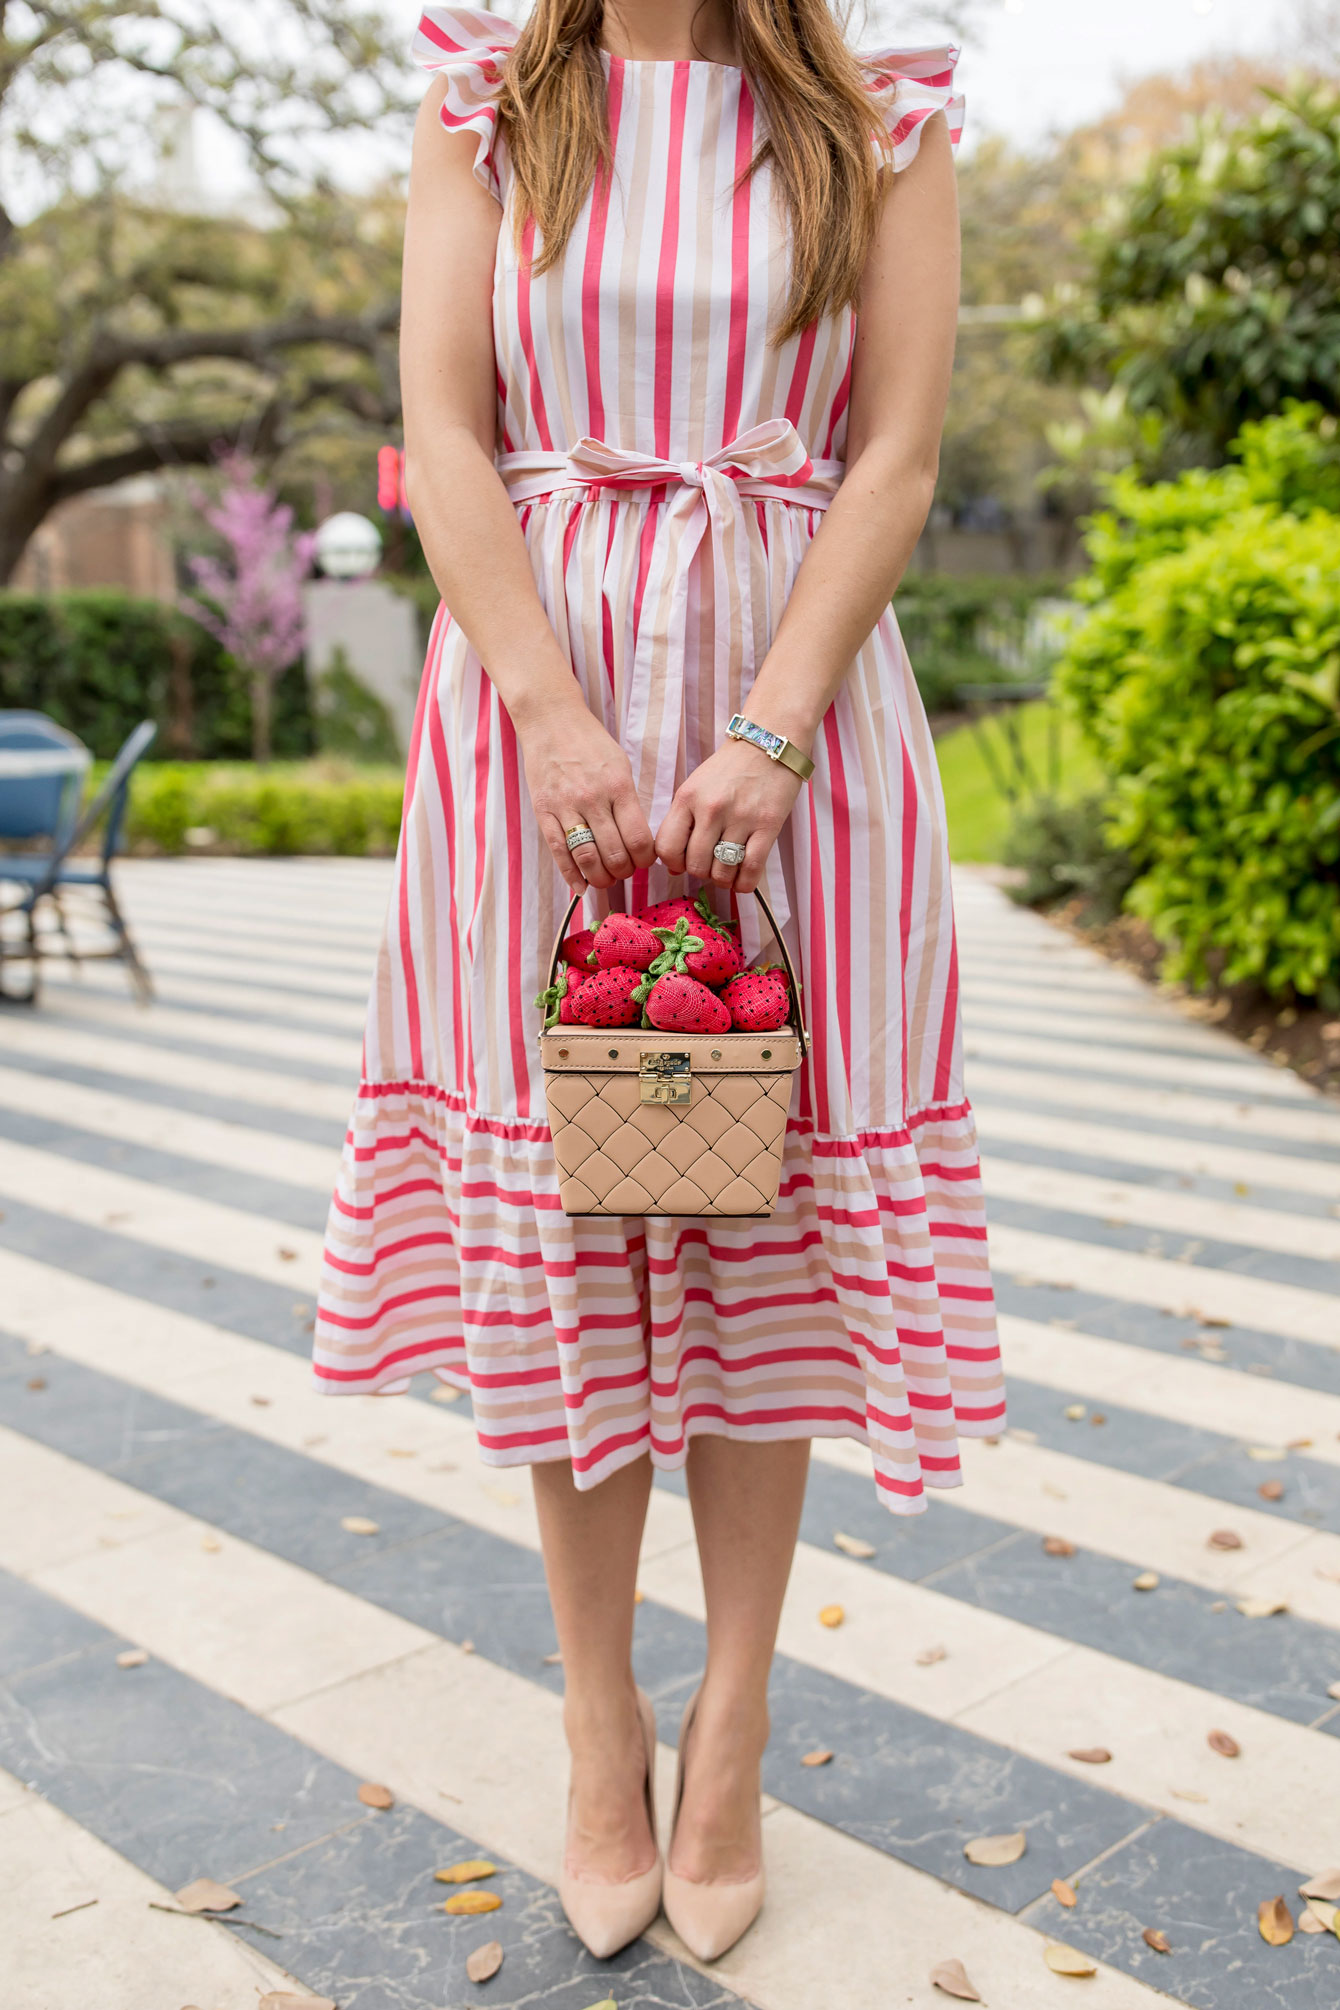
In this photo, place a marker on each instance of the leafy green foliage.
(1064, 851)
(1215, 293)
(1207, 677)
(964, 630)
(320, 808)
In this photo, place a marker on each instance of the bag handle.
(768, 916)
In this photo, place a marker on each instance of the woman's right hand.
(578, 774)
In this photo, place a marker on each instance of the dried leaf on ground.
(1075, 1413)
(287, 1999)
(1092, 1755)
(1057, 1545)
(444, 1393)
(1262, 1608)
(831, 1615)
(1225, 1538)
(503, 1495)
(853, 1545)
(467, 1872)
(1275, 1921)
(286, 1255)
(358, 1524)
(1326, 1916)
(472, 1901)
(951, 1976)
(930, 1655)
(1188, 1794)
(1271, 1490)
(993, 1851)
(1067, 1960)
(374, 1796)
(820, 1757)
(1063, 1893)
(211, 1543)
(484, 1961)
(1226, 1745)
(555, 1659)
(206, 1894)
(1308, 1921)
(132, 1657)
(1148, 1580)
(1155, 1937)
(1268, 1454)
(605, 2003)
(1326, 1885)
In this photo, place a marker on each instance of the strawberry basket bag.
(659, 1120)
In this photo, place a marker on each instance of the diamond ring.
(728, 853)
(579, 834)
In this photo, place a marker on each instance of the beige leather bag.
(646, 1122)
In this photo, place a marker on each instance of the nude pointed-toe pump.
(708, 1914)
(605, 1916)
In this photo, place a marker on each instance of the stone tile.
(908, 1546)
(316, 1130)
(1131, 1172)
(37, 1632)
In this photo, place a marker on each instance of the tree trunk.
(262, 706)
(180, 735)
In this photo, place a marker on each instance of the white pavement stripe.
(1245, 1120)
(1230, 1160)
(1249, 1408)
(101, 983)
(1165, 1210)
(1284, 1309)
(1186, 1071)
(226, 976)
(160, 1128)
(1271, 1805)
(141, 1209)
(257, 949)
(280, 1043)
(117, 1953)
(1146, 1523)
(138, 1060)
(990, 1006)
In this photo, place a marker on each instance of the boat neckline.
(669, 62)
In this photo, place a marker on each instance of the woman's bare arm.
(467, 524)
(900, 386)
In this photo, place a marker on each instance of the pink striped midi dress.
(669, 467)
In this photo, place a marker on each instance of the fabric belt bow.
(703, 497)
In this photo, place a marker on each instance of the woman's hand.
(578, 775)
(737, 794)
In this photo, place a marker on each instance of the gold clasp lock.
(664, 1078)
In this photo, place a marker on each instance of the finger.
(634, 828)
(707, 828)
(552, 832)
(750, 874)
(673, 835)
(723, 874)
(614, 855)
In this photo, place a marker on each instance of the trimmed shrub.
(318, 807)
(1064, 852)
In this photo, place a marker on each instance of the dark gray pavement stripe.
(1134, 1172)
(198, 1102)
(185, 1783)
(1257, 1090)
(145, 1033)
(1067, 1032)
(1119, 1116)
(282, 1019)
(1310, 1273)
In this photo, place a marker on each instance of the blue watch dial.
(741, 728)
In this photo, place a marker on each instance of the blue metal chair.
(31, 751)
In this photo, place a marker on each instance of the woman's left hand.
(737, 794)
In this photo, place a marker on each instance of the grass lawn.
(978, 813)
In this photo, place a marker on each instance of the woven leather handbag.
(647, 1122)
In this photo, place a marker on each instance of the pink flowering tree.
(251, 596)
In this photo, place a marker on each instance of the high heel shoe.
(708, 1914)
(606, 1916)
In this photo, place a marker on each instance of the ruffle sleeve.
(467, 47)
(909, 85)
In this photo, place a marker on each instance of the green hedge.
(100, 661)
(314, 807)
(946, 620)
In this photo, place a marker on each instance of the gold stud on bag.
(646, 1122)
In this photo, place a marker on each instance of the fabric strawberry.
(610, 997)
(665, 913)
(577, 946)
(758, 1001)
(679, 1004)
(715, 962)
(621, 939)
(557, 998)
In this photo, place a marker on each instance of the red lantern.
(390, 478)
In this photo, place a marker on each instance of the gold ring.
(579, 834)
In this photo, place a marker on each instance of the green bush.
(1064, 851)
(316, 807)
(99, 661)
(952, 625)
(1207, 676)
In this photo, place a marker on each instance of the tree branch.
(181, 445)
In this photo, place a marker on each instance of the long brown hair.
(821, 121)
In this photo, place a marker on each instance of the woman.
(663, 475)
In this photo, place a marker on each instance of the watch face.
(745, 729)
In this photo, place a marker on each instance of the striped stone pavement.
(1166, 1235)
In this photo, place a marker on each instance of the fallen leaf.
(555, 1659)
(1092, 1755)
(82, 1906)
(1221, 1742)
(1225, 1538)
(444, 1393)
(1333, 1691)
(38, 1382)
(358, 1524)
(1261, 1608)
(1063, 1893)
(930, 1655)
(853, 1545)
(1308, 1921)
(400, 1452)
(373, 1796)
(1054, 1492)
(831, 1615)
(638, 1597)
(605, 2003)
(205, 1894)
(211, 1543)
(1147, 1581)
(1267, 1454)
(1275, 1922)
(951, 1976)
(1326, 1915)
(1075, 1413)
(1271, 1490)
(993, 1851)
(1325, 1885)
(503, 1495)
(467, 1646)
(473, 1901)
(132, 1657)
(1188, 1794)
(286, 1999)
(1154, 1937)
(287, 1256)
(820, 1757)
(1098, 1417)
(465, 1873)
(484, 1961)
(261, 1402)
(1297, 1444)
(1057, 1545)
(1067, 1960)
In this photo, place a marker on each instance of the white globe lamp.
(348, 546)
